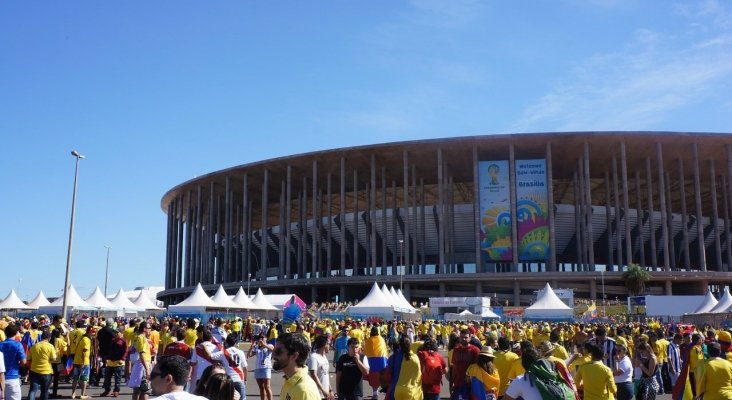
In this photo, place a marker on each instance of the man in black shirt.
(350, 371)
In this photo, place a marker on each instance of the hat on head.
(546, 348)
(487, 351)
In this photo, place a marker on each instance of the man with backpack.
(434, 368)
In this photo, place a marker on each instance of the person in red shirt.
(179, 348)
(463, 355)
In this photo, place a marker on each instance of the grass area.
(618, 309)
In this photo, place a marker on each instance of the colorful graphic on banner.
(495, 210)
(532, 215)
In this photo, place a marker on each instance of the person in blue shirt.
(14, 355)
(341, 345)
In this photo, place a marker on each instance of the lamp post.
(71, 233)
(602, 276)
(106, 271)
(401, 263)
(249, 280)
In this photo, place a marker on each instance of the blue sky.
(156, 93)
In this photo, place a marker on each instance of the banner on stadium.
(495, 210)
(532, 210)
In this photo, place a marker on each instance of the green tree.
(635, 279)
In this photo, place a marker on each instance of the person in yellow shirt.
(714, 377)
(191, 334)
(40, 357)
(82, 364)
(58, 363)
(696, 357)
(482, 376)
(595, 378)
(504, 358)
(140, 358)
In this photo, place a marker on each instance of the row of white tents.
(382, 302)
(95, 302)
(710, 304)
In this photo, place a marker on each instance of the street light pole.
(401, 263)
(602, 276)
(106, 271)
(249, 280)
(71, 234)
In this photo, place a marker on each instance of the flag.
(591, 311)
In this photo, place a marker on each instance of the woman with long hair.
(215, 368)
(220, 387)
(647, 362)
(59, 362)
(403, 373)
(482, 376)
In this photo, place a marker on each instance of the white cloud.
(637, 88)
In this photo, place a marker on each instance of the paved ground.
(252, 389)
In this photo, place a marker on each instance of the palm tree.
(635, 279)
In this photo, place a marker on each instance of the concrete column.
(550, 205)
(478, 289)
(684, 216)
(355, 223)
(698, 205)
(442, 289)
(590, 242)
(715, 216)
(246, 249)
(639, 224)
(516, 293)
(616, 203)
(626, 204)
(440, 214)
(669, 221)
(315, 248)
(313, 294)
(342, 295)
(343, 221)
(727, 236)
(593, 290)
(384, 231)
(407, 214)
(651, 221)
(662, 205)
(608, 222)
(514, 223)
(265, 223)
(227, 230)
(329, 239)
(372, 215)
(579, 232)
(476, 211)
(668, 291)
(288, 222)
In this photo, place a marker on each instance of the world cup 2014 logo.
(493, 171)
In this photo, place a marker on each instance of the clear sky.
(157, 92)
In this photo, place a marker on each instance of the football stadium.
(497, 216)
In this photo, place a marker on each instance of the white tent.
(39, 301)
(243, 301)
(122, 302)
(73, 302)
(197, 302)
(400, 294)
(262, 303)
(488, 314)
(548, 307)
(374, 304)
(401, 302)
(143, 301)
(725, 302)
(707, 304)
(13, 302)
(465, 315)
(99, 301)
(222, 300)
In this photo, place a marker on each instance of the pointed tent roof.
(72, 300)
(466, 312)
(260, 301)
(401, 295)
(243, 301)
(198, 298)
(401, 300)
(222, 299)
(13, 302)
(98, 300)
(725, 302)
(548, 300)
(707, 304)
(122, 301)
(387, 294)
(39, 301)
(375, 298)
(144, 302)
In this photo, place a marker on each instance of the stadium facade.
(496, 216)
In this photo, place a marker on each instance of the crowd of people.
(186, 359)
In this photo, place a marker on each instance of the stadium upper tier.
(461, 216)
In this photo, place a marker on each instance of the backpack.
(550, 383)
(431, 368)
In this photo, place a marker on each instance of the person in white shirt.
(318, 365)
(623, 373)
(522, 386)
(263, 367)
(168, 377)
(235, 363)
(201, 356)
(674, 359)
